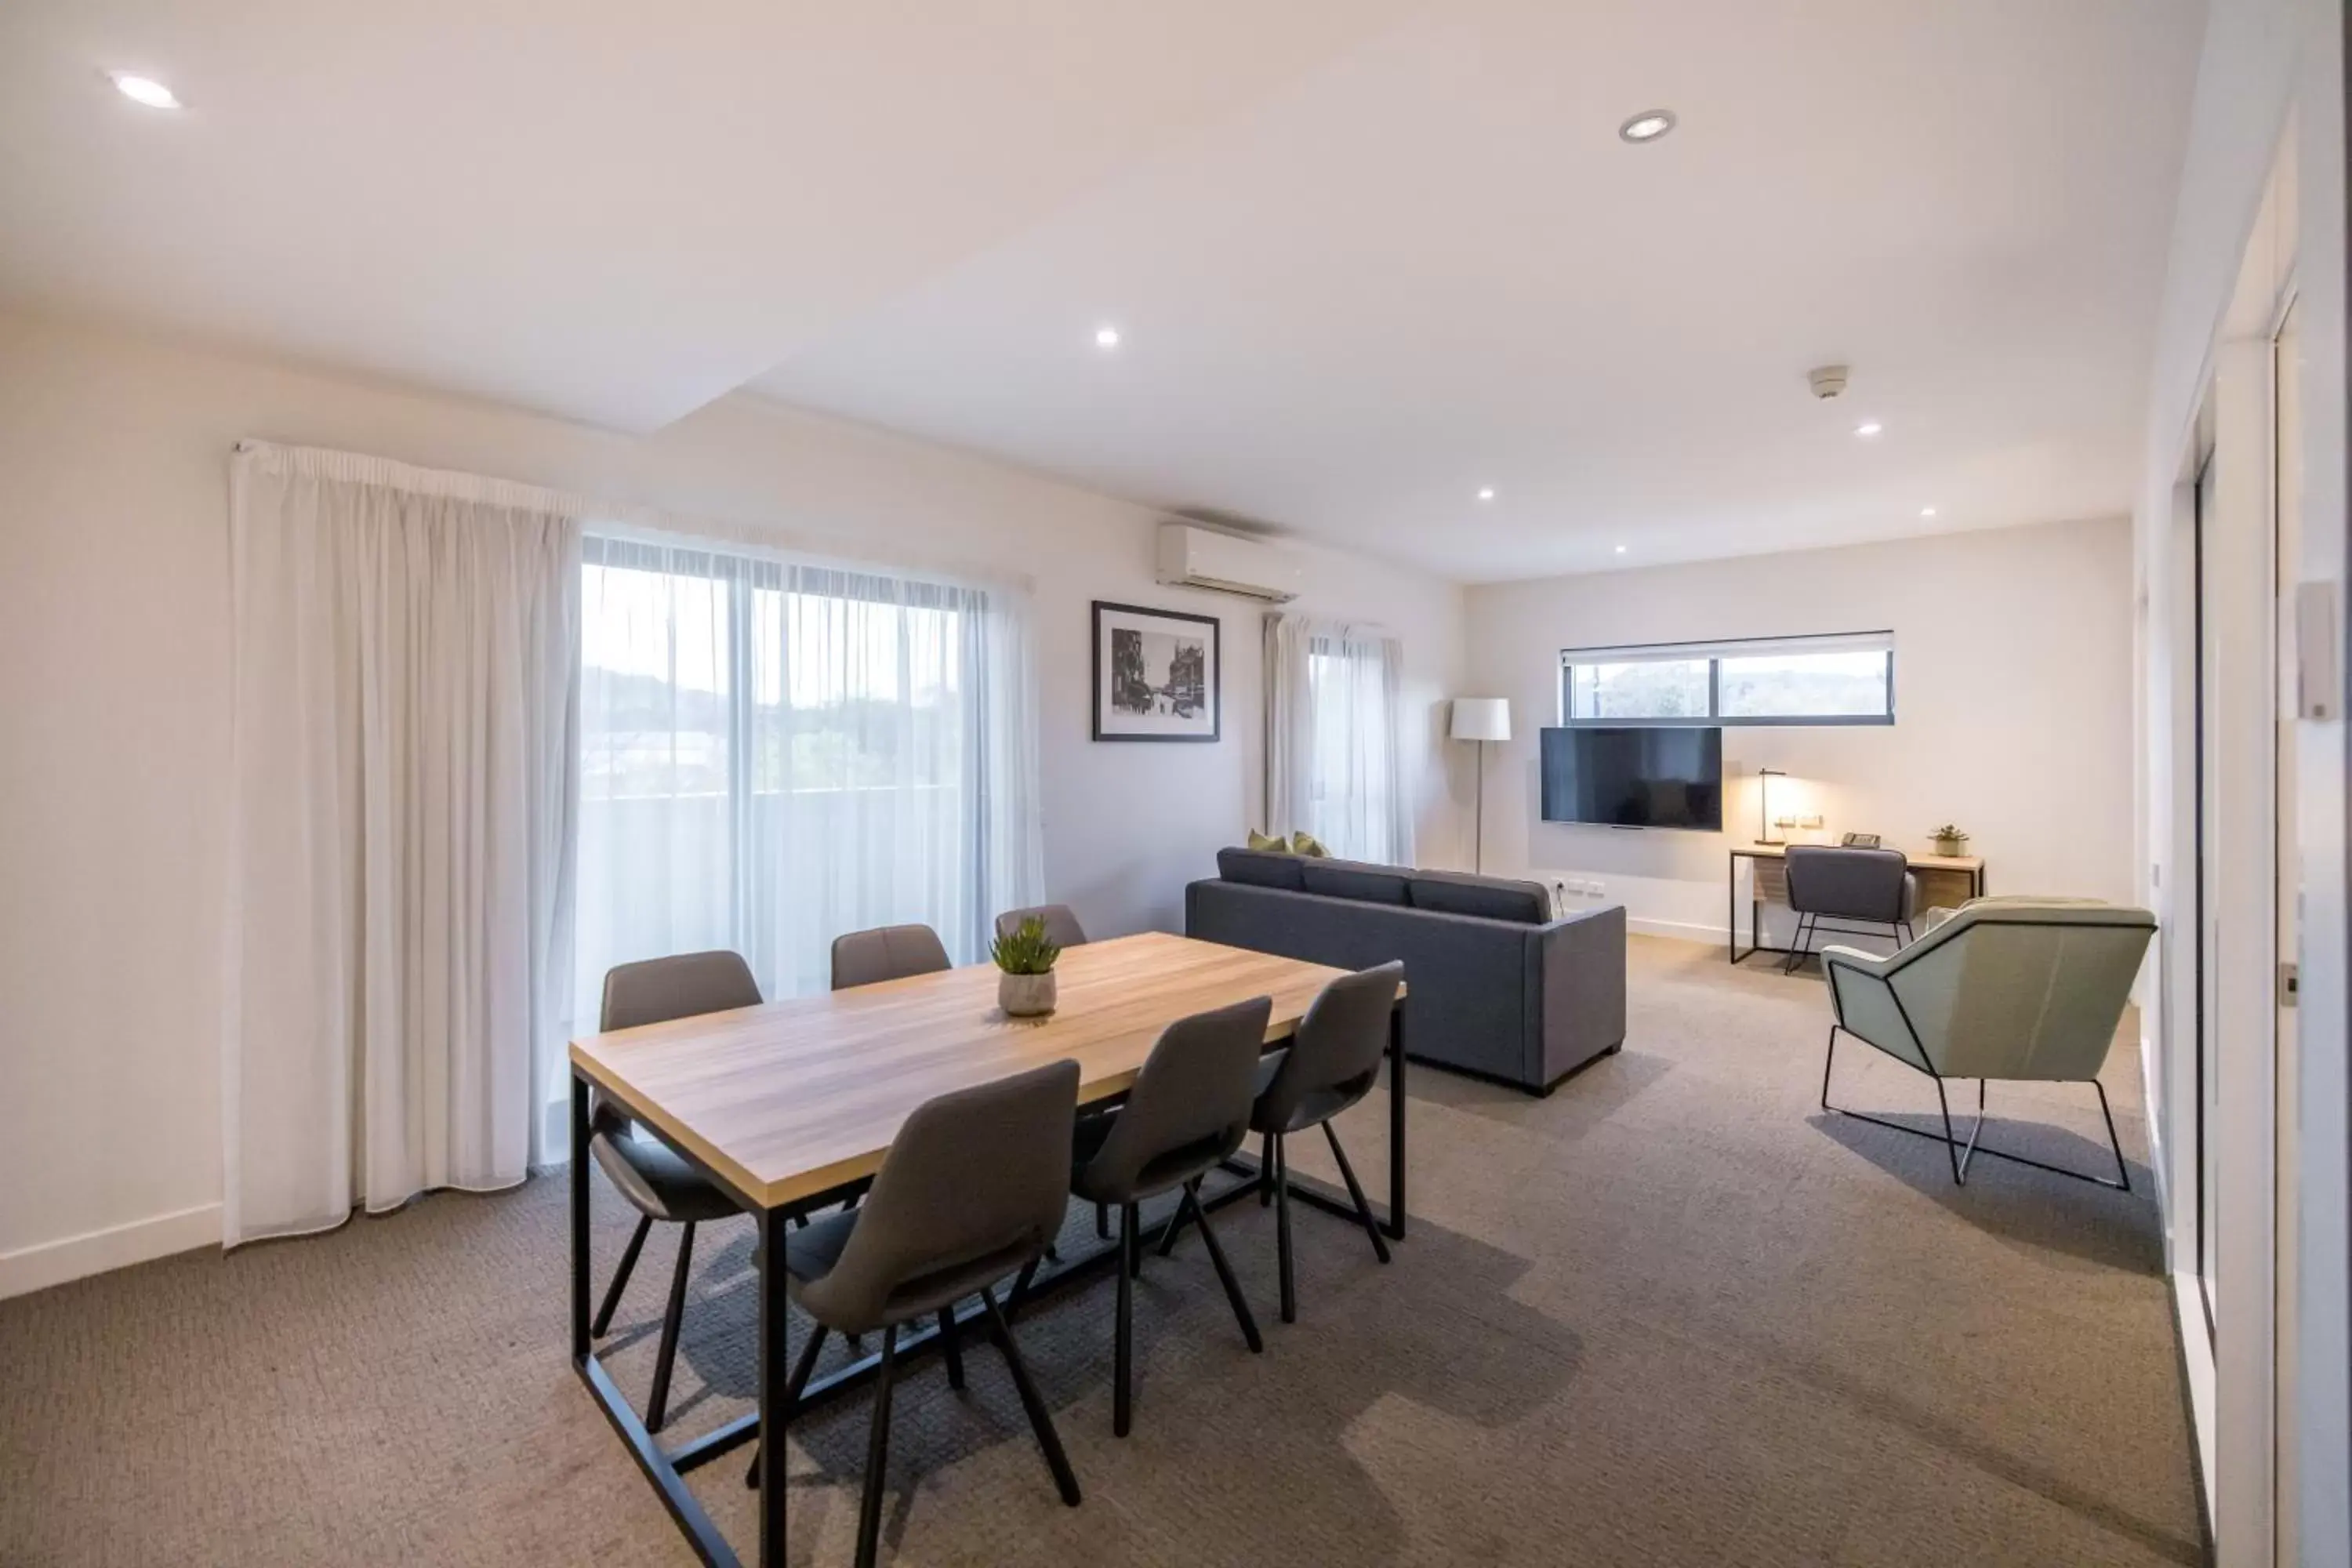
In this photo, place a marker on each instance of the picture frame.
(1159, 675)
(1860, 840)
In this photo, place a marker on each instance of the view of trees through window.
(1778, 683)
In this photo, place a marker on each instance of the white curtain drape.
(1334, 752)
(405, 767)
(777, 751)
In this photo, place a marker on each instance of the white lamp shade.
(1482, 719)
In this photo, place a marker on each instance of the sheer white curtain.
(776, 753)
(405, 759)
(1334, 757)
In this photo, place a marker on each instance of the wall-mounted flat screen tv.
(1652, 776)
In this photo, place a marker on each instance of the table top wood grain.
(794, 1097)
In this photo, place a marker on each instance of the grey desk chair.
(1868, 887)
(1061, 927)
(655, 1181)
(973, 1186)
(885, 952)
(2021, 989)
(1187, 1114)
(1332, 1062)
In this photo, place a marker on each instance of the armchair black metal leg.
(1122, 1395)
(1102, 1222)
(1356, 1192)
(2123, 1174)
(1951, 1145)
(1041, 1420)
(1282, 1228)
(877, 1453)
(793, 1387)
(621, 1277)
(951, 1346)
(1242, 1313)
(1975, 1132)
(657, 1406)
(1265, 1170)
(1828, 1060)
(1130, 1217)
(1799, 944)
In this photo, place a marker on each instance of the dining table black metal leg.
(1396, 1122)
(580, 1336)
(774, 1402)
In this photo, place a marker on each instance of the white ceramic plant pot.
(1025, 996)
(1952, 849)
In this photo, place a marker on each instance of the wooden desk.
(1946, 881)
(787, 1103)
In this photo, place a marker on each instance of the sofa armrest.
(1576, 992)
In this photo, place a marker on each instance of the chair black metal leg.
(1041, 1420)
(621, 1277)
(1356, 1190)
(657, 1408)
(1799, 945)
(1174, 1227)
(877, 1453)
(1265, 1170)
(1828, 1061)
(793, 1387)
(1102, 1222)
(2122, 1173)
(1282, 1227)
(1242, 1313)
(951, 1346)
(1021, 1289)
(1122, 1390)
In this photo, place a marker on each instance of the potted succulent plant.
(1026, 955)
(1950, 840)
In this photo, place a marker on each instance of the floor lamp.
(1481, 719)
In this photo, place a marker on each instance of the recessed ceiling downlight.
(1485, 493)
(144, 90)
(1106, 337)
(1648, 125)
(1926, 512)
(1868, 427)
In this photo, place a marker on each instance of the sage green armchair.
(2017, 988)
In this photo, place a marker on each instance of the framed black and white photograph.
(1156, 674)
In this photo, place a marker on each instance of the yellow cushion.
(1305, 844)
(1260, 841)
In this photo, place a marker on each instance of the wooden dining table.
(793, 1102)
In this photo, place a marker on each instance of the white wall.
(2270, 79)
(2014, 706)
(114, 646)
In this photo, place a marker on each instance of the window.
(1841, 679)
(1335, 768)
(774, 753)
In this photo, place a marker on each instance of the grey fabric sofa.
(1494, 986)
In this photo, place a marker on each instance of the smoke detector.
(1827, 380)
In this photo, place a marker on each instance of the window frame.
(1714, 652)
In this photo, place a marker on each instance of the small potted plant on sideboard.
(1026, 988)
(1950, 841)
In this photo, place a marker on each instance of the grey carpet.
(1671, 1315)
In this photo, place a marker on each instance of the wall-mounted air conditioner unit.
(1200, 558)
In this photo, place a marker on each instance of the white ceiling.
(609, 209)
(1367, 256)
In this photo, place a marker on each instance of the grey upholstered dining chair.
(1869, 887)
(1332, 1061)
(974, 1184)
(885, 952)
(1187, 1113)
(658, 1183)
(2018, 989)
(1061, 927)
